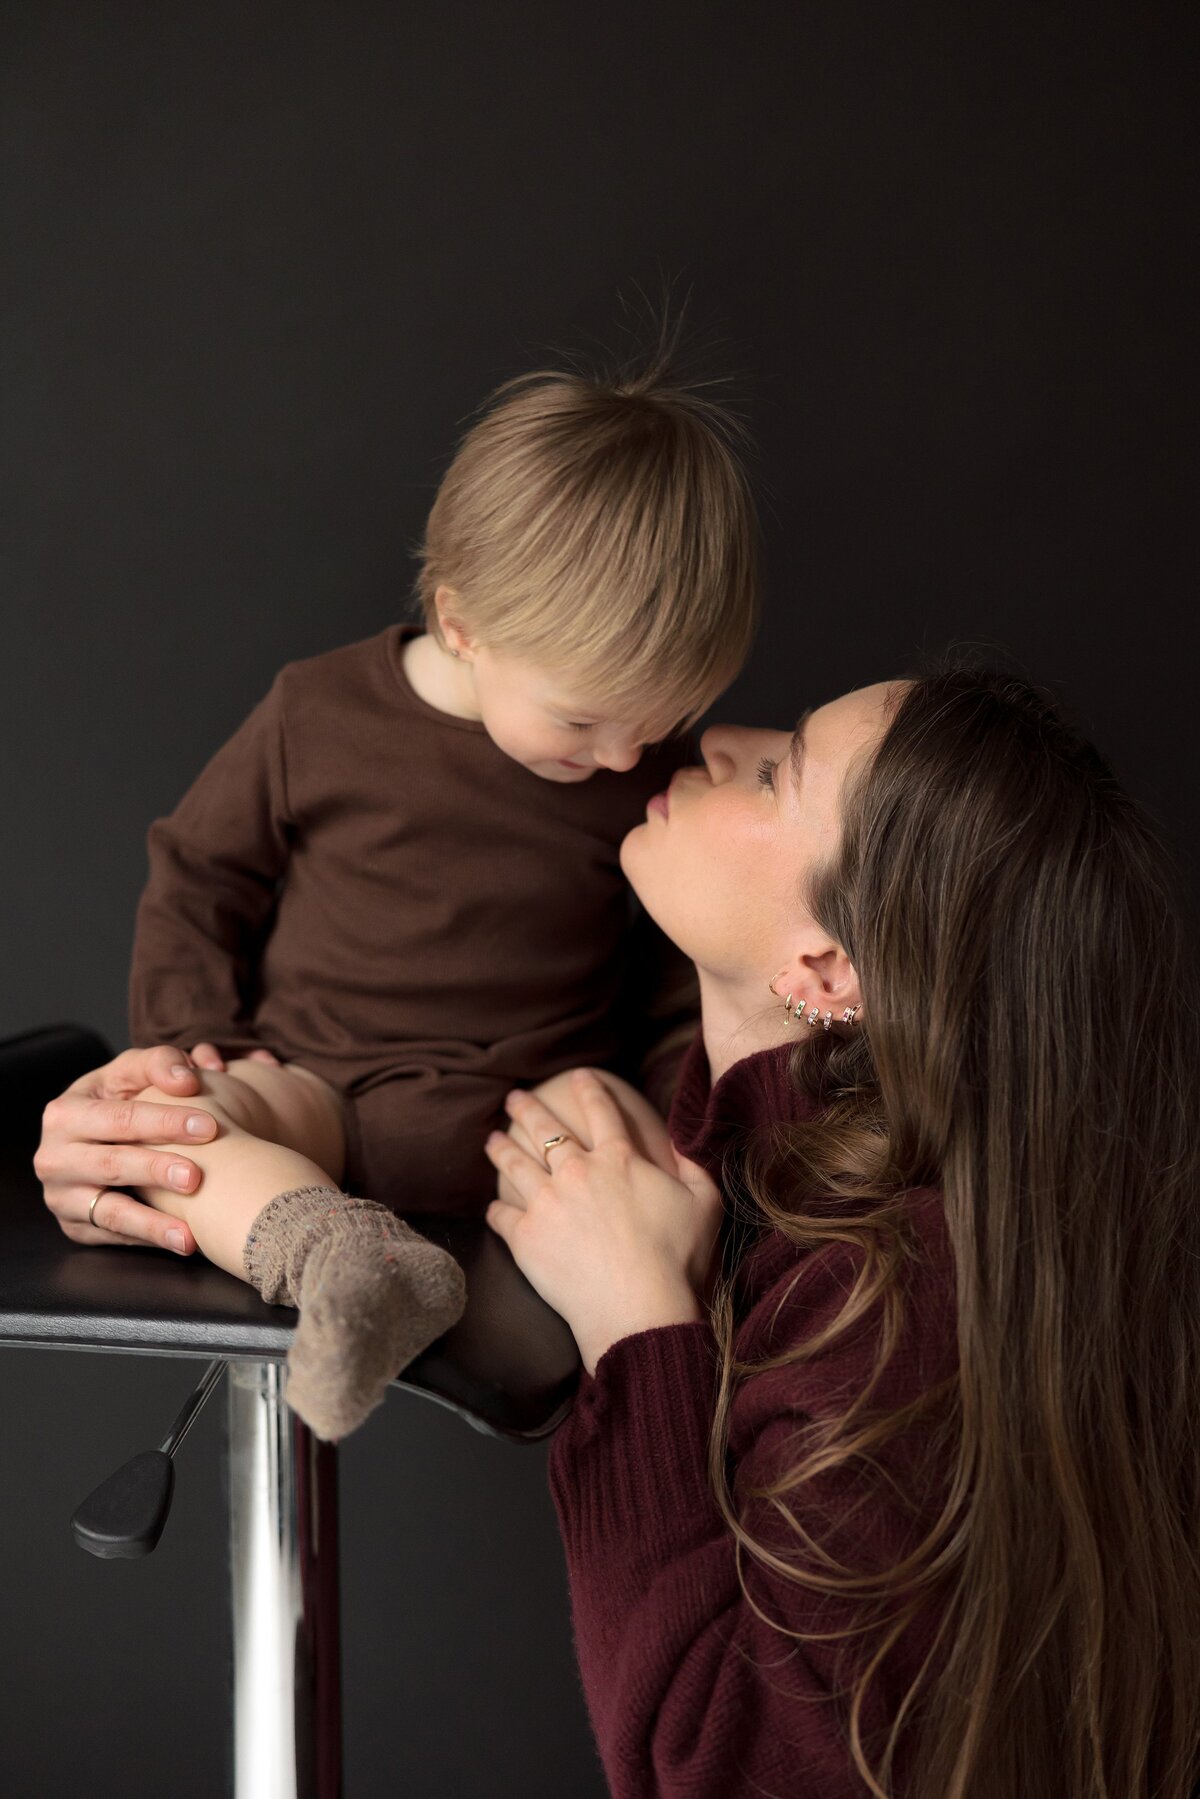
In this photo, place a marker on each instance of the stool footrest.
(124, 1516)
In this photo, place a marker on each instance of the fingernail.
(177, 1241)
(179, 1070)
(198, 1124)
(179, 1175)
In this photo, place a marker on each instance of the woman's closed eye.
(766, 772)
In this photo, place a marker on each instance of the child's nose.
(619, 757)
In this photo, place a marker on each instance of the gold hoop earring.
(787, 1003)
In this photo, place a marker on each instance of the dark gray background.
(259, 262)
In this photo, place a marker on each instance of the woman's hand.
(97, 1136)
(209, 1057)
(610, 1240)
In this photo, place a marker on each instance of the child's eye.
(573, 727)
(766, 772)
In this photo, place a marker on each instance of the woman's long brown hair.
(1030, 1046)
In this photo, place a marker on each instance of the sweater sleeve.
(206, 911)
(692, 1693)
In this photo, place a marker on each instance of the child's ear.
(453, 631)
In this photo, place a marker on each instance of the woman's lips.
(661, 802)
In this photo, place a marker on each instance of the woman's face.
(723, 859)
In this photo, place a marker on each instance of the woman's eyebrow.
(796, 747)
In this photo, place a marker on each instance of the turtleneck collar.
(706, 1119)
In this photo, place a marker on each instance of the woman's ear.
(824, 978)
(453, 631)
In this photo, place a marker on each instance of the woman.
(918, 1511)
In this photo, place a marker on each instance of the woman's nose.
(722, 749)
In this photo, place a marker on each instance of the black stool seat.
(509, 1366)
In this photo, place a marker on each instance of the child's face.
(548, 722)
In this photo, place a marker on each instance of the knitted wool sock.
(372, 1295)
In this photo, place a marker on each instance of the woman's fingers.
(73, 1125)
(134, 1069)
(119, 1215)
(534, 1124)
(112, 1164)
(606, 1121)
(98, 1136)
(534, 1117)
(503, 1219)
(209, 1057)
(604, 1117)
(119, 1221)
(523, 1172)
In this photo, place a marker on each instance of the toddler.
(395, 894)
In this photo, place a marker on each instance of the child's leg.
(281, 1129)
(371, 1293)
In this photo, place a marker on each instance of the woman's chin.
(628, 856)
(639, 865)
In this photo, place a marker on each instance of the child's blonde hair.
(605, 528)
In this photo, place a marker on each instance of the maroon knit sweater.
(691, 1693)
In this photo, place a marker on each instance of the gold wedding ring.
(553, 1142)
(96, 1198)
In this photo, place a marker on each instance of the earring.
(848, 1014)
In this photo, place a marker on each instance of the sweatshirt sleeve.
(692, 1693)
(206, 911)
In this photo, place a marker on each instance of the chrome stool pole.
(283, 1554)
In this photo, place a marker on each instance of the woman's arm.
(693, 1693)
(692, 1690)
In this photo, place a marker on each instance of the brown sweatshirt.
(368, 886)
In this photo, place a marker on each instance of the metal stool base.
(283, 1538)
